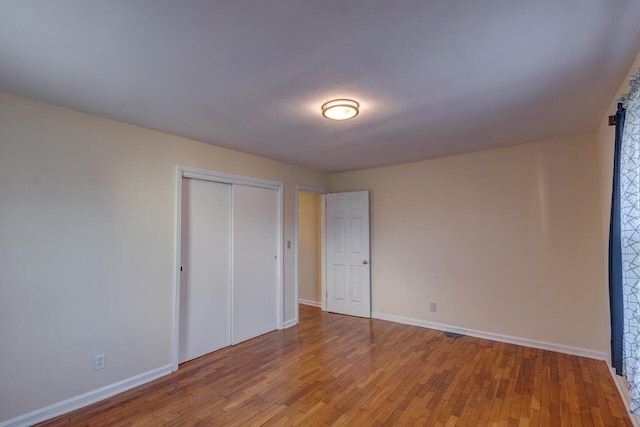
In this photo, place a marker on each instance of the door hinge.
(180, 268)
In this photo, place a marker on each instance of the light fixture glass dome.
(340, 109)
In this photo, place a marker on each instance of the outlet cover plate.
(98, 362)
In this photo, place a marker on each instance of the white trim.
(295, 242)
(231, 259)
(323, 228)
(576, 351)
(289, 323)
(309, 302)
(280, 271)
(178, 266)
(77, 402)
(227, 178)
(623, 389)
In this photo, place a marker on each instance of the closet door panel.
(255, 225)
(205, 284)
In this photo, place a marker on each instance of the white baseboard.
(85, 399)
(576, 351)
(287, 324)
(623, 389)
(309, 302)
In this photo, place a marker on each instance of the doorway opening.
(309, 244)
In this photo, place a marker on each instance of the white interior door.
(348, 269)
(255, 249)
(205, 282)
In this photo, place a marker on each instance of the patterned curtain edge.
(634, 85)
(629, 199)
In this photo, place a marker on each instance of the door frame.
(323, 290)
(226, 178)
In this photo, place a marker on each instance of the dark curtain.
(615, 253)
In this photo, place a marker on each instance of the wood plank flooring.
(339, 370)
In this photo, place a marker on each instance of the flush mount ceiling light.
(340, 109)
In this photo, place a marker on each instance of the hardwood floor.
(340, 370)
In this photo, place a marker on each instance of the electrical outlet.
(98, 362)
(434, 307)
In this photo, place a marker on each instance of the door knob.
(365, 262)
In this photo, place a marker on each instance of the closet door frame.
(226, 178)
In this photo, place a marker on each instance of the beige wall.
(309, 246)
(87, 225)
(504, 241)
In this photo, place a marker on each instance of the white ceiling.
(434, 78)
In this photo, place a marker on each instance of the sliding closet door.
(255, 225)
(205, 282)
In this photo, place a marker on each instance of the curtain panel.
(629, 175)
